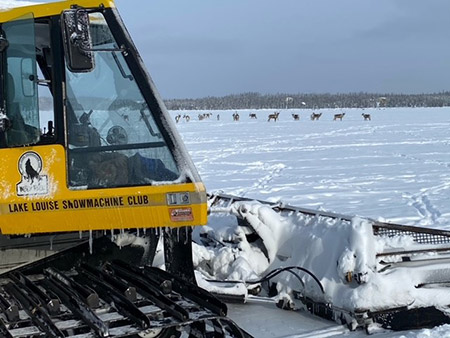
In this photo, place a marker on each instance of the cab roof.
(49, 9)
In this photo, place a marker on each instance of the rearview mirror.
(78, 42)
(3, 43)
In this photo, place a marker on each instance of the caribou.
(338, 116)
(315, 116)
(273, 116)
(366, 117)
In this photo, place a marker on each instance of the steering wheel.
(117, 135)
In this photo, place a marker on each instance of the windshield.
(110, 127)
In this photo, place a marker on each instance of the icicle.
(112, 235)
(51, 242)
(186, 237)
(90, 241)
(137, 232)
(178, 234)
(81, 234)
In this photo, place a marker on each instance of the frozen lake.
(395, 167)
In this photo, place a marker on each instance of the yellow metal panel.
(41, 202)
(50, 9)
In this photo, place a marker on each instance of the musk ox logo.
(32, 182)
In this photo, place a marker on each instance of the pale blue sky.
(207, 48)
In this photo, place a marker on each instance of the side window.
(45, 82)
(21, 88)
(46, 114)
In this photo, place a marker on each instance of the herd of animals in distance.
(271, 117)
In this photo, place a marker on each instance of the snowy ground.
(393, 168)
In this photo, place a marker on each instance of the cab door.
(31, 171)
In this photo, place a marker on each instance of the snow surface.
(394, 168)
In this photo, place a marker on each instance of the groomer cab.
(85, 140)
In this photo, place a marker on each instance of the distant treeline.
(312, 101)
(283, 101)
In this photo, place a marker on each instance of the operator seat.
(16, 133)
(19, 133)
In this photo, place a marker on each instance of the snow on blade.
(331, 249)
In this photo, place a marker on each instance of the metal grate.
(420, 235)
(117, 300)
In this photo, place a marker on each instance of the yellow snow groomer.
(94, 177)
(86, 144)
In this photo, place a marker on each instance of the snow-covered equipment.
(353, 270)
(88, 151)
